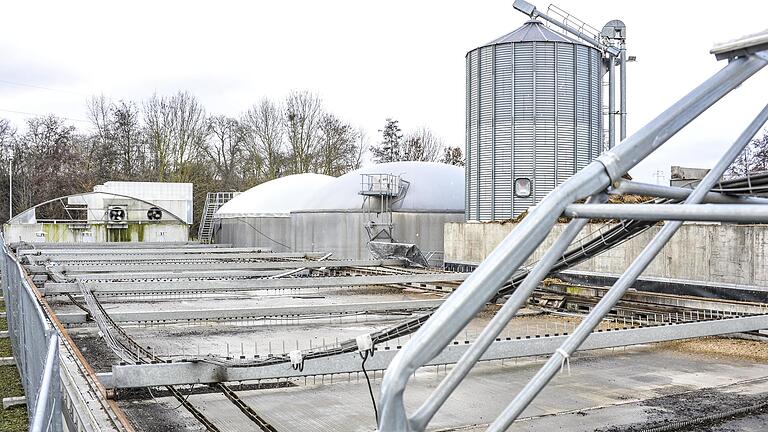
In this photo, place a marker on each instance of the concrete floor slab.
(599, 379)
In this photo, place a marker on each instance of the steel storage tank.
(533, 118)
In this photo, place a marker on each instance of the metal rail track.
(246, 409)
(136, 350)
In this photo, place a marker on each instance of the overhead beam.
(185, 275)
(73, 269)
(186, 372)
(32, 248)
(108, 256)
(239, 314)
(53, 288)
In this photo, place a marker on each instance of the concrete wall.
(734, 254)
(61, 232)
(340, 232)
(267, 232)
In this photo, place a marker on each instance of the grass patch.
(5, 348)
(13, 419)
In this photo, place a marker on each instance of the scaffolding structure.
(380, 193)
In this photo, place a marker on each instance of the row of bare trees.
(174, 139)
(418, 145)
(753, 159)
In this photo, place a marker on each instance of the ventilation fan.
(117, 214)
(154, 214)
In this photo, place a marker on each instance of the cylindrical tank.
(533, 118)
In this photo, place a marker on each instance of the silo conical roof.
(533, 31)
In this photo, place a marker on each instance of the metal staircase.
(380, 193)
(213, 202)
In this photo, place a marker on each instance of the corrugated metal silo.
(533, 118)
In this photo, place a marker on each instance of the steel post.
(623, 92)
(40, 417)
(611, 102)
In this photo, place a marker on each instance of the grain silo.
(533, 118)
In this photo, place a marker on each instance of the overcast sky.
(367, 60)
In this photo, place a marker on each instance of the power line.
(42, 115)
(38, 87)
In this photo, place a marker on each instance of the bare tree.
(264, 133)
(49, 164)
(362, 147)
(303, 113)
(224, 147)
(337, 152)
(453, 156)
(128, 138)
(753, 159)
(421, 145)
(98, 156)
(176, 128)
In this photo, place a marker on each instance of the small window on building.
(523, 187)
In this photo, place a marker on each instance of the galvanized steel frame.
(482, 285)
(185, 372)
(168, 316)
(180, 286)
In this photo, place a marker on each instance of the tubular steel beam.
(72, 269)
(33, 248)
(609, 300)
(540, 270)
(185, 275)
(509, 255)
(637, 188)
(171, 256)
(180, 373)
(251, 313)
(754, 213)
(143, 288)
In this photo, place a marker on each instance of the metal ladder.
(213, 202)
(601, 177)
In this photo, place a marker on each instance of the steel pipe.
(637, 147)
(740, 213)
(499, 266)
(39, 418)
(424, 414)
(611, 102)
(621, 187)
(609, 300)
